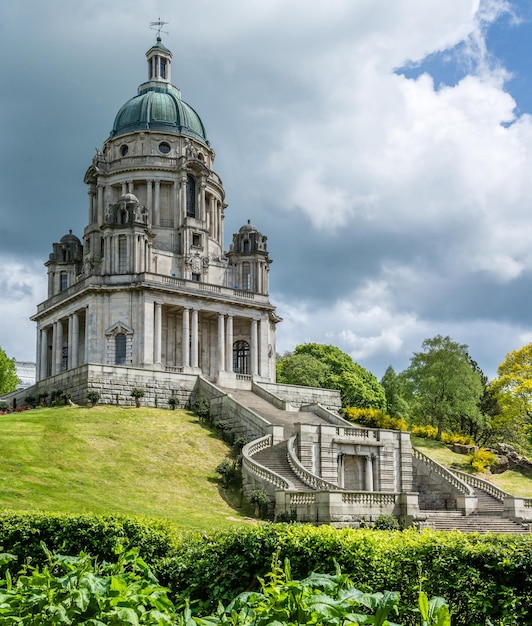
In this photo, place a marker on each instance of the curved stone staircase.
(489, 516)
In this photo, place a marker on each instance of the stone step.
(272, 414)
(275, 459)
(450, 520)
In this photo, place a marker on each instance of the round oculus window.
(124, 150)
(164, 147)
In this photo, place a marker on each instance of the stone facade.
(149, 285)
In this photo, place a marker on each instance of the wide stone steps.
(487, 504)
(477, 523)
(275, 416)
(275, 459)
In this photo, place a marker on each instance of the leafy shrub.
(21, 534)
(374, 418)
(483, 577)
(482, 459)
(431, 432)
(137, 394)
(227, 469)
(31, 401)
(386, 522)
(4, 406)
(240, 442)
(201, 407)
(173, 402)
(93, 396)
(259, 499)
(79, 590)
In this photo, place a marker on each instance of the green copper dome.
(159, 107)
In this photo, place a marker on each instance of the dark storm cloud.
(394, 209)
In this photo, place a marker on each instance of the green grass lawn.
(513, 482)
(104, 460)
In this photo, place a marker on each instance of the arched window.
(191, 196)
(120, 349)
(241, 357)
(246, 276)
(122, 255)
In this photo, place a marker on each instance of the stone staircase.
(275, 459)
(488, 518)
(275, 416)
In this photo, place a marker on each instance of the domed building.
(149, 286)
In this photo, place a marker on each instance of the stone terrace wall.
(114, 385)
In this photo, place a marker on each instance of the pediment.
(119, 328)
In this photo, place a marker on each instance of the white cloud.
(22, 286)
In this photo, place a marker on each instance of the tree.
(394, 389)
(513, 391)
(444, 388)
(302, 369)
(319, 365)
(9, 380)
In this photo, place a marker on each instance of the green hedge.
(481, 576)
(21, 534)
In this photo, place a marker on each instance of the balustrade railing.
(442, 471)
(484, 485)
(303, 474)
(259, 470)
(368, 498)
(356, 433)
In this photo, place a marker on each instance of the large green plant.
(80, 590)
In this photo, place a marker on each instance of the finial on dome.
(158, 25)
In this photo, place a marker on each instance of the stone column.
(43, 364)
(185, 339)
(369, 473)
(229, 344)
(92, 215)
(74, 355)
(157, 335)
(100, 204)
(254, 348)
(341, 477)
(157, 204)
(221, 342)
(183, 196)
(69, 342)
(149, 197)
(58, 342)
(194, 332)
(130, 186)
(123, 191)
(202, 199)
(175, 201)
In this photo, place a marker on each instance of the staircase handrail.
(310, 479)
(259, 470)
(483, 485)
(442, 471)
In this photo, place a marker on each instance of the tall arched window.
(122, 255)
(246, 276)
(191, 196)
(120, 349)
(241, 357)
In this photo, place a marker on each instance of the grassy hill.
(142, 462)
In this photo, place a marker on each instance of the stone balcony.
(166, 283)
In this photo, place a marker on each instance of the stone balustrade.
(302, 473)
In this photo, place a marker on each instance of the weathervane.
(158, 25)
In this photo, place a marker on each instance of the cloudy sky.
(384, 146)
